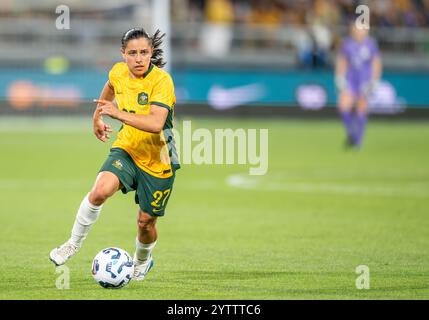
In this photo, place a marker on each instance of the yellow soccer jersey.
(149, 151)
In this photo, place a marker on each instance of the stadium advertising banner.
(220, 89)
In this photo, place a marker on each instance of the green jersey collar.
(148, 71)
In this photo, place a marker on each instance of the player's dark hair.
(156, 41)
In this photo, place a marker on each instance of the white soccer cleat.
(141, 268)
(60, 255)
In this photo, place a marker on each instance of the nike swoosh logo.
(221, 98)
(157, 210)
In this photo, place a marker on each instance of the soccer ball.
(112, 268)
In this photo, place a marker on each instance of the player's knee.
(100, 193)
(345, 101)
(146, 223)
(362, 106)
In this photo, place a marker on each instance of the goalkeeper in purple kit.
(358, 71)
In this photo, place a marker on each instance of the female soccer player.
(358, 71)
(143, 157)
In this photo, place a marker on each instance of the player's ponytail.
(156, 41)
(157, 56)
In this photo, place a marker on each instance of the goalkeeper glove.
(369, 87)
(340, 82)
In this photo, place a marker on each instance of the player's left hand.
(107, 108)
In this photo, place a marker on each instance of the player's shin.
(347, 117)
(85, 218)
(361, 120)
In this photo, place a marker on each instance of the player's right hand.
(102, 130)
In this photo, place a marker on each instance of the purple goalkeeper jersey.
(359, 57)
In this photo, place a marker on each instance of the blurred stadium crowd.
(409, 13)
(317, 25)
(302, 33)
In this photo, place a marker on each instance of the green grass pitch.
(297, 233)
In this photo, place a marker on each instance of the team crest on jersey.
(117, 164)
(142, 98)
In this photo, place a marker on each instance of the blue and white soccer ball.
(112, 268)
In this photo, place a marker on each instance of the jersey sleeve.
(163, 93)
(114, 74)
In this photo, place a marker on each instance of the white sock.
(85, 218)
(144, 250)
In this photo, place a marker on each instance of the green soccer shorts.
(152, 193)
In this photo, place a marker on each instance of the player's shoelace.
(67, 250)
(137, 271)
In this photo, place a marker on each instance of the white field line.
(236, 181)
(370, 189)
(371, 175)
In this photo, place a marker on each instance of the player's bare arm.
(152, 122)
(340, 72)
(377, 68)
(101, 129)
